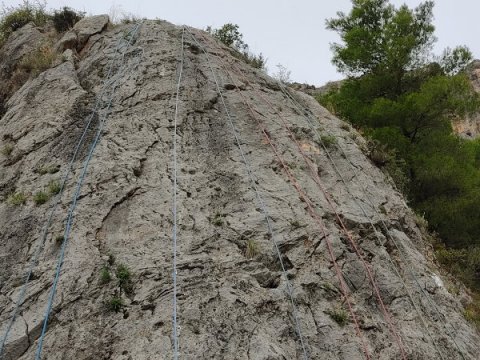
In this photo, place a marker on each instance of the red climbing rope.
(333, 208)
(358, 251)
(312, 213)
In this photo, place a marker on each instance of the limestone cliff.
(291, 244)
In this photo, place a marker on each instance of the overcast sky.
(289, 32)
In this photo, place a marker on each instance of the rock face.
(114, 298)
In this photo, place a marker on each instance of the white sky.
(290, 32)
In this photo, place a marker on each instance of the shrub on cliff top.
(13, 18)
(65, 18)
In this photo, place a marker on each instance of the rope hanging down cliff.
(174, 203)
(313, 214)
(260, 200)
(69, 221)
(410, 268)
(357, 249)
(109, 80)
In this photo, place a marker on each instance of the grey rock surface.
(86, 28)
(68, 41)
(232, 298)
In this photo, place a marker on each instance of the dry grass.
(38, 61)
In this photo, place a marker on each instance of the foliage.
(7, 150)
(115, 304)
(295, 224)
(218, 219)
(17, 198)
(65, 18)
(230, 35)
(472, 311)
(252, 249)
(47, 169)
(404, 99)
(124, 277)
(40, 197)
(38, 60)
(328, 141)
(54, 187)
(105, 275)
(339, 315)
(13, 18)
(282, 74)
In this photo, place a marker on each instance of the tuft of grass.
(472, 311)
(115, 304)
(345, 126)
(105, 275)
(40, 197)
(218, 219)
(38, 60)
(47, 169)
(18, 198)
(7, 150)
(54, 187)
(59, 239)
(295, 224)
(252, 249)
(328, 141)
(124, 276)
(339, 315)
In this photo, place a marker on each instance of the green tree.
(230, 35)
(405, 98)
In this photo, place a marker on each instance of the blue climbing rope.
(69, 221)
(174, 205)
(260, 200)
(65, 178)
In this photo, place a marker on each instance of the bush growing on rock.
(115, 304)
(230, 35)
(124, 276)
(13, 18)
(65, 18)
(339, 315)
(40, 197)
(17, 198)
(38, 61)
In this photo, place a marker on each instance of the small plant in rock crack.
(40, 197)
(59, 239)
(115, 303)
(218, 219)
(124, 276)
(328, 141)
(295, 224)
(47, 169)
(105, 275)
(252, 249)
(339, 315)
(17, 198)
(54, 187)
(7, 150)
